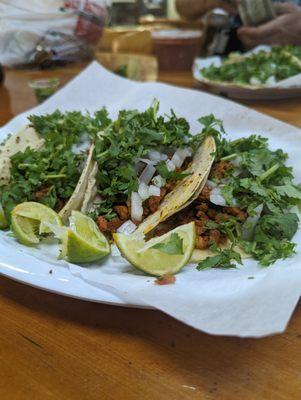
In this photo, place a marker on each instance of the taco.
(44, 162)
(246, 206)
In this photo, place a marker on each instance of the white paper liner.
(250, 301)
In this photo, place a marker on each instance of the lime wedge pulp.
(83, 242)
(155, 260)
(25, 230)
(29, 219)
(3, 220)
(45, 215)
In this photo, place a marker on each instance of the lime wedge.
(25, 229)
(158, 256)
(30, 219)
(3, 220)
(39, 212)
(83, 242)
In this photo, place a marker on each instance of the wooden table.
(52, 347)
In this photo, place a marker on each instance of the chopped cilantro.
(169, 175)
(221, 260)
(257, 68)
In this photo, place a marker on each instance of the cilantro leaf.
(289, 190)
(212, 126)
(282, 226)
(162, 169)
(174, 245)
(222, 260)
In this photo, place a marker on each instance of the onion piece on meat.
(217, 198)
(211, 184)
(158, 181)
(136, 207)
(147, 161)
(179, 157)
(236, 161)
(143, 191)
(170, 165)
(127, 227)
(147, 174)
(156, 156)
(154, 190)
(177, 160)
(250, 223)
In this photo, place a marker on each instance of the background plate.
(237, 92)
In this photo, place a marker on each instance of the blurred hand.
(286, 8)
(285, 29)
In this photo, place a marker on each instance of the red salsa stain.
(165, 280)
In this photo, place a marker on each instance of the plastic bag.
(51, 30)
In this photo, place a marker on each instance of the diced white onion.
(254, 81)
(156, 156)
(177, 160)
(143, 191)
(136, 207)
(180, 156)
(127, 227)
(147, 161)
(159, 181)
(147, 174)
(170, 165)
(217, 198)
(271, 81)
(250, 223)
(211, 184)
(236, 161)
(154, 190)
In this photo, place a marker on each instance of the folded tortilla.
(76, 200)
(26, 137)
(187, 190)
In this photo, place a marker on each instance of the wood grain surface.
(53, 347)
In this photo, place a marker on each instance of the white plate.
(274, 291)
(285, 89)
(44, 274)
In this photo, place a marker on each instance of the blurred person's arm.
(193, 9)
(285, 29)
(286, 8)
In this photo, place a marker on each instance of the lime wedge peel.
(83, 242)
(3, 219)
(153, 261)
